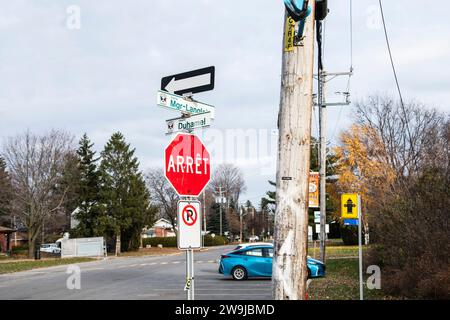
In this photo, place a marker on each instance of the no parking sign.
(189, 225)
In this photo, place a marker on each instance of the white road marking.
(92, 269)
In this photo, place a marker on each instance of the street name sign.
(349, 206)
(187, 165)
(189, 225)
(178, 103)
(190, 123)
(190, 82)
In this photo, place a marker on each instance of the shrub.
(412, 238)
(167, 242)
(349, 235)
(216, 241)
(20, 249)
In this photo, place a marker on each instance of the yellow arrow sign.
(349, 206)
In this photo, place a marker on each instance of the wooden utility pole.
(291, 220)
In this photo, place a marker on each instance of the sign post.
(187, 161)
(361, 290)
(351, 213)
(189, 238)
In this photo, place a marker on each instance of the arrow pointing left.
(189, 82)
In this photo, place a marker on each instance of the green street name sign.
(177, 103)
(188, 124)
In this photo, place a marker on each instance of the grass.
(335, 251)
(16, 266)
(341, 283)
(154, 251)
(342, 278)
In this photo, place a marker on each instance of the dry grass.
(154, 251)
(10, 266)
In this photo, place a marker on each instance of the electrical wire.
(390, 54)
(402, 104)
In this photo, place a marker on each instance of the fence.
(82, 247)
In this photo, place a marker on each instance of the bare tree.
(35, 165)
(230, 179)
(407, 131)
(162, 194)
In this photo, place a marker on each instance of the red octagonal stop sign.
(187, 165)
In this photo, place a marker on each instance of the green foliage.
(213, 224)
(20, 249)
(69, 186)
(171, 242)
(216, 241)
(5, 190)
(89, 206)
(167, 242)
(124, 195)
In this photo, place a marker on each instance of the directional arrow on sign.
(190, 82)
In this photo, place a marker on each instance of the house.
(161, 228)
(5, 239)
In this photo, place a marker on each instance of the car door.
(255, 262)
(268, 260)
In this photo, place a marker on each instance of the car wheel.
(239, 273)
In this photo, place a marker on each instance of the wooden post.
(291, 220)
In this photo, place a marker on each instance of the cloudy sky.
(103, 76)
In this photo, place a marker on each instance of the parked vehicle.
(256, 261)
(50, 248)
(252, 244)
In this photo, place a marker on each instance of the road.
(137, 278)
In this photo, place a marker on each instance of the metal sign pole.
(189, 275)
(361, 290)
(192, 275)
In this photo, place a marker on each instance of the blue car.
(256, 261)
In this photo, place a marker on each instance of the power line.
(402, 104)
(390, 54)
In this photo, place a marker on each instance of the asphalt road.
(137, 278)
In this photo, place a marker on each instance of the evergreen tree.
(124, 195)
(89, 208)
(5, 191)
(214, 220)
(69, 187)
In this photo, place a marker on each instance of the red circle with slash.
(189, 215)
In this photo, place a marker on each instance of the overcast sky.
(103, 77)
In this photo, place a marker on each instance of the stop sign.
(187, 165)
